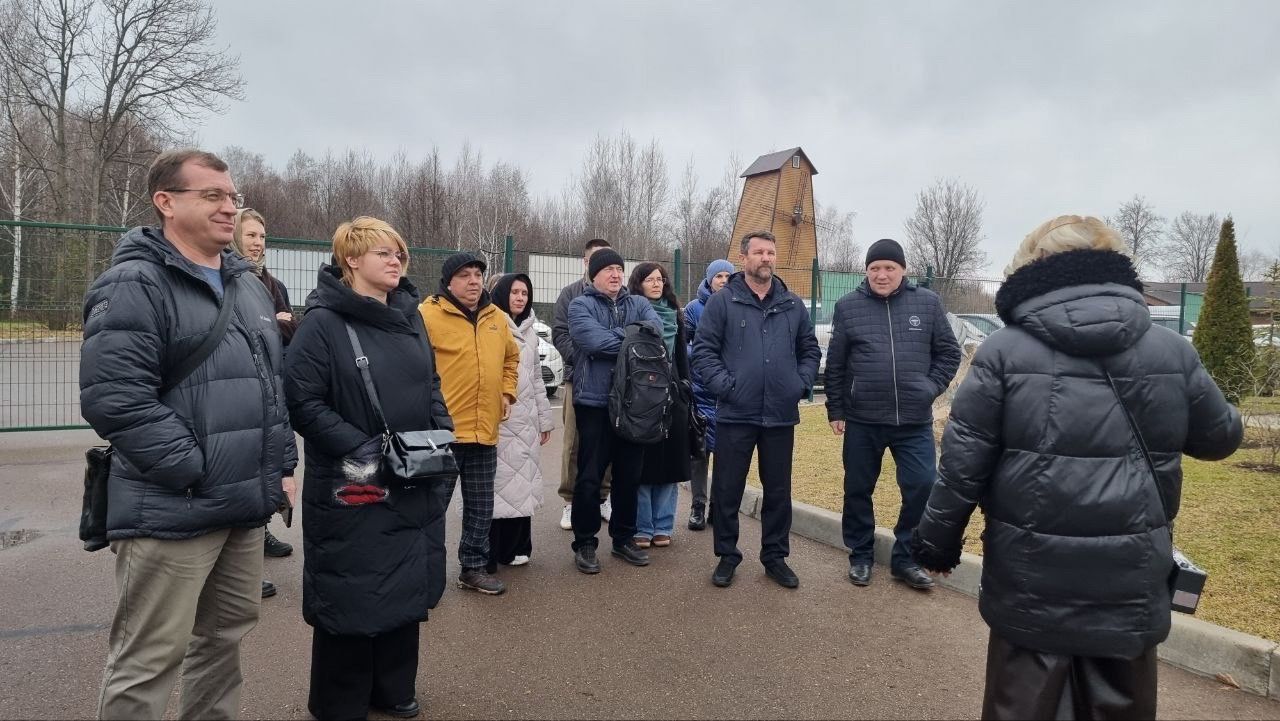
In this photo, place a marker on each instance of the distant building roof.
(1171, 293)
(775, 161)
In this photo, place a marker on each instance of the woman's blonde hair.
(357, 237)
(242, 215)
(1063, 233)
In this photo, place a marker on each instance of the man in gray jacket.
(892, 353)
(198, 468)
(564, 344)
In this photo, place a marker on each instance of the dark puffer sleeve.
(971, 447)
(308, 375)
(945, 358)
(834, 382)
(120, 370)
(1214, 428)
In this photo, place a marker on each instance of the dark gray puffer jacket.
(1076, 553)
(208, 454)
(889, 358)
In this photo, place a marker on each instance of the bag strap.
(211, 339)
(362, 362)
(1142, 443)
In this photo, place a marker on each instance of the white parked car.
(549, 358)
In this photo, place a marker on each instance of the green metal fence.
(45, 269)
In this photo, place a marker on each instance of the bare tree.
(946, 230)
(1141, 228)
(837, 248)
(1255, 264)
(1188, 247)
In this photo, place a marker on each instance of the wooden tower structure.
(777, 196)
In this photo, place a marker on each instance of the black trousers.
(351, 673)
(597, 448)
(1026, 684)
(735, 444)
(508, 538)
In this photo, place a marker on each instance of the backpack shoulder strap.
(211, 339)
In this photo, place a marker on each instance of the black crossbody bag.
(93, 507)
(407, 456)
(1186, 580)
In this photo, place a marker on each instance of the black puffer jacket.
(208, 454)
(1076, 554)
(369, 567)
(889, 358)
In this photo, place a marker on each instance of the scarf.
(669, 323)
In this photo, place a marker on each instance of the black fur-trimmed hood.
(1084, 302)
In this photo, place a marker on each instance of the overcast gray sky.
(1044, 108)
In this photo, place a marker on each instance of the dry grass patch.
(1229, 522)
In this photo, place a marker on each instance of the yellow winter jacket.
(478, 364)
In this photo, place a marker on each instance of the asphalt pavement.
(655, 642)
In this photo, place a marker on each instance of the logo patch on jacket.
(99, 309)
(915, 322)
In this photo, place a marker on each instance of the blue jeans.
(864, 446)
(656, 509)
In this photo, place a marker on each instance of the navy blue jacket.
(889, 358)
(702, 398)
(596, 324)
(758, 357)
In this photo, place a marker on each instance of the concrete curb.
(1197, 646)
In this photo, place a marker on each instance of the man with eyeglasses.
(200, 462)
(478, 362)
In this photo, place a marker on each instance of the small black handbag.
(407, 456)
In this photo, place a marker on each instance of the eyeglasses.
(656, 281)
(387, 255)
(212, 195)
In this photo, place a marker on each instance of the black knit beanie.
(602, 259)
(886, 249)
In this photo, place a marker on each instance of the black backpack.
(640, 396)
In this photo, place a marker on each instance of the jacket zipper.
(893, 357)
(258, 349)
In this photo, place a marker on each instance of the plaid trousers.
(477, 464)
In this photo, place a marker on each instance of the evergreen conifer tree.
(1223, 336)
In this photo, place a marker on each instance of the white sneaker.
(566, 518)
(606, 509)
(519, 560)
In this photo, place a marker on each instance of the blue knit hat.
(716, 267)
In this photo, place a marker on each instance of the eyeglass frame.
(237, 199)
(386, 255)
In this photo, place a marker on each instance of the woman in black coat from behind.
(374, 551)
(1077, 548)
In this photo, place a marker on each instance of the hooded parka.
(369, 567)
(1076, 552)
(209, 453)
(517, 487)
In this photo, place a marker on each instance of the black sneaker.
(585, 559)
(274, 547)
(780, 572)
(631, 553)
(697, 517)
(477, 579)
(913, 576)
(723, 575)
(268, 589)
